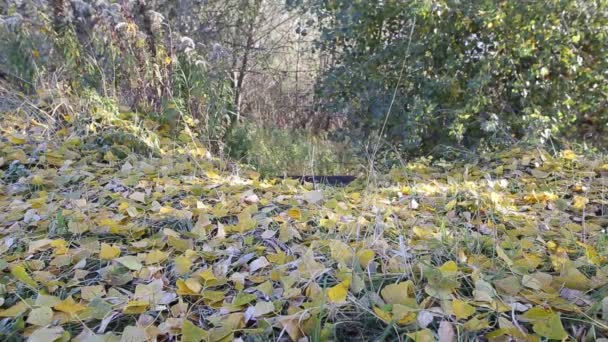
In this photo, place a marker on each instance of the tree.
(242, 36)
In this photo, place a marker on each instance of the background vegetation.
(399, 78)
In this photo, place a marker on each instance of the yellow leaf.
(383, 315)
(365, 256)
(61, 247)
(592, 255)
(46, 300)
(503, 255)
(308, 266)
(16, 139)
(341, 252)
(449, 268)
(182, 265)
(461, 309)
(212, 175)
(20, 274)
(15, 310)
(37, 180)
(108, 252)
(207, 275)
(69, 306)
(294, 213)
(182, 288)
(266, 288)
(405, 314)
(154, 257)
(424, 335)
(540, 197)
(178, 244)
(579, 202)
(398, 293)
(135, 307)
(168, 60)
(279, 258)
(338, 293)
(568, 155)
(537, 313)
(189, 287)
(476, 324)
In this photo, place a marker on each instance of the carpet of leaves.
(96, 247)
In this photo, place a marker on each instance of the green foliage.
(274, 151)
(206, 96)
(106, 60)
(476, 74)
(18, 61)
(14, 172)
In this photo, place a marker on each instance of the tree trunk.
(239, 76)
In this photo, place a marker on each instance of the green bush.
(18, 62)
(469, 73)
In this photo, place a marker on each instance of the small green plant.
(15, 171)
(274, 152)
(205, 97)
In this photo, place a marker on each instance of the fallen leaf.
(338, 293)
(295, 214)
(262, 308)
(40, 316)
(108, 252)
(424, 335)
(461, 309)
(20, 274)
(446, 332)
(365, 256)
(192, 333)
(131, 262)
(258, 264)
(134, 334)
(154, 257)
(398, 293)
(138, 196)
(47, 334)
(15, 310)
(550, 328)
(69, 306)
(135, 307)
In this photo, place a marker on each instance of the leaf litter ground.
(100, 247)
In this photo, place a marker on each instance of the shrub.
(471, 73)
